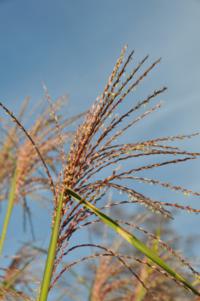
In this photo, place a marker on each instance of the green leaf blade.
(134, 241)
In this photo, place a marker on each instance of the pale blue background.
(72, 47)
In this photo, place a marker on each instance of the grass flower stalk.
(96, 163)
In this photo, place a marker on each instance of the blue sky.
(72, 47)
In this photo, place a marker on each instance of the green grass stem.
(44, 290)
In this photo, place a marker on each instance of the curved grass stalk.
(9, 210)
(51, 253)
(134, 241)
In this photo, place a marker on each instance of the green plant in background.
(11, 200)
(23, 169)
(91, 168)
